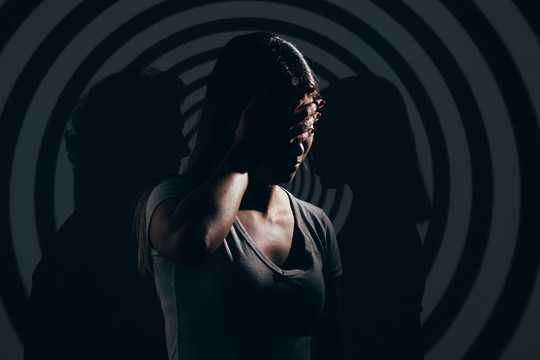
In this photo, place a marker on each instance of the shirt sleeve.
(332, 260)
(175, 187)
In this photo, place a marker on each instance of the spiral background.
(468, 72)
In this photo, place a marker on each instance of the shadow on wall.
(364, 139)
(88, 300)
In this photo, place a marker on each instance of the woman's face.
(289, 140)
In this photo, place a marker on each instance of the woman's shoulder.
(315, 221)
(315, 212)
(171, 186)
(173, 181)
(174, 186)
(313, 217)
(308, 208)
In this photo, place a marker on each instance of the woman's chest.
(275, 239)
(255, 281)
(280, 299)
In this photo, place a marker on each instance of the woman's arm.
(327, 340)
(189, 229)
(193, 227)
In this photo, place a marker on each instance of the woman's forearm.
(201, 221)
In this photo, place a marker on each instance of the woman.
(243, 268)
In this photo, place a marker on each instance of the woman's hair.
(247, 63)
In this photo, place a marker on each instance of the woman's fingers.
(303, 122)
(305, 111)
(302, 129)
(301, 126)
(305, 117)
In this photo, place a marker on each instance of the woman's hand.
(268, 121)
(304, 119)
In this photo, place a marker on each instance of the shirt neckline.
(296, 232)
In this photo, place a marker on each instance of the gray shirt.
(238, 304)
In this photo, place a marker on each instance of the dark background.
(469, 75)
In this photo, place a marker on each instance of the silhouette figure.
(364, 140)
(88, 300)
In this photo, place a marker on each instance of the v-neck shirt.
(239, 304)
(297, 241)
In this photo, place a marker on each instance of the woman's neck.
(261, 197)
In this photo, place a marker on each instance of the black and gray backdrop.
(469, 72)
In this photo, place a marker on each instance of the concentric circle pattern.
(467, 71)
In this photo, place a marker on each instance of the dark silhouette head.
(124, 134)
(249, 64)
(365, 140)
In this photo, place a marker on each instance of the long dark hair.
(246, 63)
